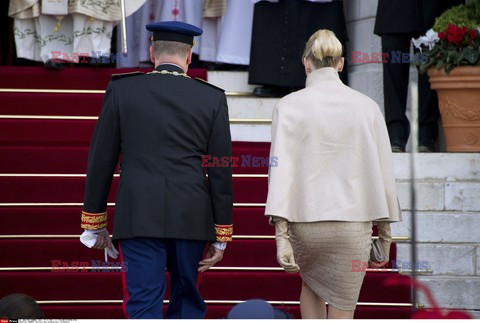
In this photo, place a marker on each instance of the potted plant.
(451, 58)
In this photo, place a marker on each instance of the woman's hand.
(284, 248)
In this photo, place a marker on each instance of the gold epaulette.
(223, 232)
(94, 221)
(122, 75)
(209, 84)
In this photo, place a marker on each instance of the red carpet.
(52, 147)
(86, 78)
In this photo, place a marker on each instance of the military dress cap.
(174, 31)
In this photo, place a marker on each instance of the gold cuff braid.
(94, 221)
(224, 232)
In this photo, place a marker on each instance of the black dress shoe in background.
(398, 145)
(53, 65)
(425, 149)
(426, 146)
(271, 91)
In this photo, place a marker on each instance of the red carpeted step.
(71, 189)
(51, 252)
(73, 159)
(101, 311)
(66, 220)
(214, 286)
(43, 160)
(16, 132)
(69, 78)
(51, 104)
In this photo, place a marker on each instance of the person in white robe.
(227, 38)
(227, 29)
(189, 11)
(66, 29)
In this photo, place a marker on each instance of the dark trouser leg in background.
(395, 86)
(428, 113)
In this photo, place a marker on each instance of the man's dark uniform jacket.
(409, 16)
(161, 125)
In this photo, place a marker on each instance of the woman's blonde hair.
(323, 49)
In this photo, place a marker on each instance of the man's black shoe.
(270, 91)
(425, 149)
(398, 145)
(53, 65)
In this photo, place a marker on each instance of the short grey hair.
(170, 48)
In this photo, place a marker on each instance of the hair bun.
(325, 44)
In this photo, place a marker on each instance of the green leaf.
(471, 55)
(440, 64)
(459, 58)
(449, 67)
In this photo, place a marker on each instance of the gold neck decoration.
(175, 73)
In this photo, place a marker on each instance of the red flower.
(453, 34)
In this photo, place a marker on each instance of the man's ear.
(152, 55)
(189, 56)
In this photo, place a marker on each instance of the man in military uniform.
(162, 123)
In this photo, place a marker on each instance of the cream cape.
(334, 161)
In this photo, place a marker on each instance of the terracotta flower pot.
(459, 104)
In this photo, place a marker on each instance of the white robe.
(85, 31)
(227, 39)
(189, 11)
(333, 156)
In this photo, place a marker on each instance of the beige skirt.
(326, 253)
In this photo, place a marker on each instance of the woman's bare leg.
(335, 313)
(312, 306)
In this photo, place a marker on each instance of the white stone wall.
(448, 224)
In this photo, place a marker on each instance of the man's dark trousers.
(395, 80)
(146, 260)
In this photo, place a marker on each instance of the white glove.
(284, 248)
(89, 237)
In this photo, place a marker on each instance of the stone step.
(251, 110)
(231, 81)
(250, 107)
(439, 166)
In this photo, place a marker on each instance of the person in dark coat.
(280, 32)
(397, 22)
(163, 124)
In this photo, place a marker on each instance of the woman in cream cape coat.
(334, 171)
